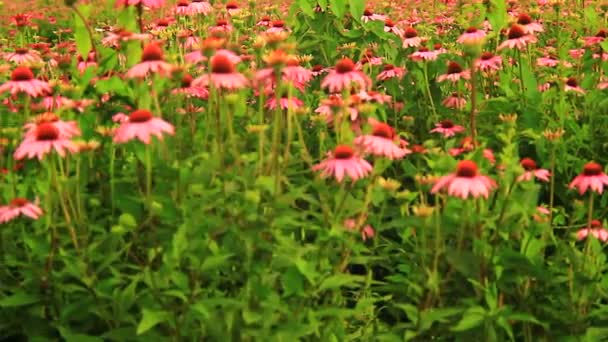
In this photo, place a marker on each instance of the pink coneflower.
(284, 102)
(344, 75)
(447, 128)
(389, 26)
(45, 138)
(598, 38)
(147, 3)
(140, 124)
(576, 53)
(592, 178)
(530, 27)
(472, 36)
(84, 64)
(390, 71)
(369, 15)
(191, 41)
(547, 62)
(221, 26)
(120, 35)
(223, 73)
(23, 81)
(423, 54)
(467, 145)
(572, 85)
(189, 90)
(373, 96)
(264, 21)
(18, 207)
(201, 7)
(318, 70)
(277, 26)
(151, 62)
(454, 101)
(367, 231)
(595, 229)
(295, 73)
(343, 161)
(410, 38)
(183, 8)
(382, 142)
(531, 171)
(23, 56)
(333, 105)
(488, 62)
(52, 101)
(465, 181)
(232, 7)
(66, 129)
(454, 73)
(517, 38)
(602, 85)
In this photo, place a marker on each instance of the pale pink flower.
(278, 26)
(66, 129)
(151, 62)
(42, 140)
(598, 38)
(488, 62)
(369, 15)
(410, 38)
(84, 64)
(332, 106)
(472, 36)
(465, 181)
(189, 90)
(595, 229)
(367, 231)
(23, 56)
(547, 62)
(344, 75)
(517, 38)
(447, 128)
(295, 73)
(382, 142)
(373, 96)
(390, 71)
(602, 85)
(572, 85)
(221, 26)
(576, 53)
(530, 27)
(454, 101)
(284, 102)
(19, 207)
(52, 102)
(343, 161)
(223, 73)
(183, 8)
(147, 3)
(201, 7)
(423, 54)
(531, 171)
(264, 21)
(592, 178)
(115, 38)
(23, 81)
(454, 73)
(318, 70)
(389, 26)
(140, 124)
(232, 7)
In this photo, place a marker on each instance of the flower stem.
(428, 92)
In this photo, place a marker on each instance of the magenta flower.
(19, 207)
(23, 56)
(42, 140)
(472, 36)
(142, 125)
(447, 128)
(517, 38)
(344, 75)
(67, 129)
(390, 71)
(223, 73)
(411, 38)
(592, 178)
(454, 101)
(147, 3)
(572, 85)
(367, 231)
(369, 15)
(389, 26)
(151, 62)
(488, 62)
(341, 162)
(465, 181)
(382, 142)
(423, 54)
(597, 39)
(189, 90)
(530, 27)
(284, 102)
(454, 73)
(23, 81)
(201, 7)
(531, 171)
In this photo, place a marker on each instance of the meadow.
(315, 170)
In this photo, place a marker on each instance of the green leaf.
(81, 35)
(339, 280)
(338, 7)
(471, 318)
(70, 336)
(306, 8)
(19, 299)
(215, 261)
(293, 282)
(149, 319)
(497, 16)
(127, 220)
(357, 7)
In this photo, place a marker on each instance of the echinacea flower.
(488, 62)
(595, 229)
(382, 142)
(369, 15)
(447, 128)
(410, 38)
(454, 101)
(277, 26)
(598, 38)
(529, 26)
(592, 178)
(232, 7)
(285, 102)
(223, 73)
(344, 75)
(201, 7)
(41, 140)
(140, 124)
(572, 85)
(517, 38)
(390, 27)
(390, 71)
(151, 62)
(114, 39)
(147, 3)
(23, 81)
(367, 231)
(472, 36)
(423, 54)
(454, 73)
(22, 56)
(189, 90)
(183, 8)
(19, 207)
(66, 129)
(465, 181)
(343, 161)
(531, 171)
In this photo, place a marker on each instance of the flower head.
(19, 207)
(382, 142)
(531, 171)
(41, 140)
(343, 161)
(344, 75)
(23, 81)
(447, 128)
(223, 73)
(592, 178)
(151, 62)
(465, 181)
(140, 124)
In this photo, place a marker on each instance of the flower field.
(316, 170)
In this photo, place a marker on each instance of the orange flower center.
(446, 123)
(232, 5)
(524, 19)
(595, 224)
(183, 3)
(516, 31)
(592, 169)
(278, 23)
(471, 30)
(454, 68)
(46, 131)
(487, 55)
(18, 202)
(466, 168)
(343, 152)
(410, 32)
(152, 52)
(389, 23)
(186, 80)
(388, 67)
(528, 164)
(221, 64)
(345, 65)
(572, 82)
(22, 74)
(140, 115)
(383, 130)
(367, 12)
